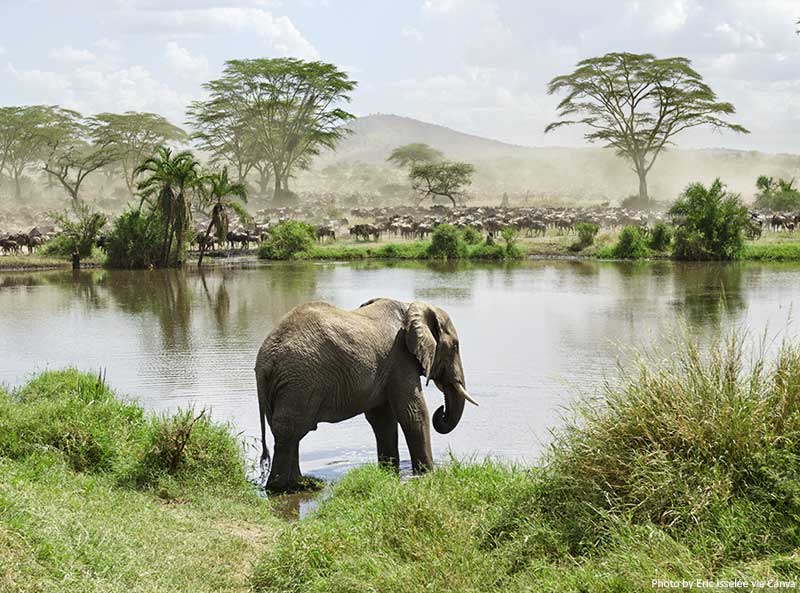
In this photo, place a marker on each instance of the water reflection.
(533, 333)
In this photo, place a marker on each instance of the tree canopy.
(636, 104)
(412, 154)
(442, 179)
(133, 137)
(280, 110)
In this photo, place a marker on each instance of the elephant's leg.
(414, 420)
(384, 425)
(285, 469)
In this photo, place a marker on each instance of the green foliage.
(710, 223)
(280, 111)
(443, 179)
(631, 244)
(288, 239)
(135, 240)
(587, 231)
(472, 236)
(171, 183)
(493, 251)
(661, 237)
(447, 242)
(776, 194)
(80, 234)
(410, 155)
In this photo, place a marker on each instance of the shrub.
(634, 202)
(59, 246)
(472, 236)
(80, 234)
(186, 447)
(486, 251)
(287, 239)
(660, 237)
(710, 223)
(447, 242)
(587, 231)
(776, 194)
(631, 244)
(135, 240)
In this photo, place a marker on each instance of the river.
(534, 334)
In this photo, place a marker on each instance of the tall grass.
(688, 468)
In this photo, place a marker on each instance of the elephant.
(325, 364)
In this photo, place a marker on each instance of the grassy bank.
(95, 495)
(10, 263)
(689, 469)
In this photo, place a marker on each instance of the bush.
(58, 246)
(77, 417)
(776, 194)
(472, 236)
(486, 251)
(447, 242)
(135, 241)
(80, 234)
(661, 237)
(710, 223)
(631, 244)
(587, 231)
(634, 202)
(287, 239)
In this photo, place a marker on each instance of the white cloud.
(277, 31)
(186, 64)
(71, 54)
(49, 84)
(671, 16)
(2, 50)
(411, 33)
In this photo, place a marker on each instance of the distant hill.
(375, 136)
(574, 173)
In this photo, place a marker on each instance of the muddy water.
(534, 334)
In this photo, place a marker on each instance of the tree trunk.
(643, 186)
(203, 243)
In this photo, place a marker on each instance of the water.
(534, 334)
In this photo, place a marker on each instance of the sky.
(478, 66)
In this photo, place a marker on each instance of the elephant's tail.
(264, 412)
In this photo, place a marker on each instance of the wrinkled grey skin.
(324, 364)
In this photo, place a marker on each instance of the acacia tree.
(636, 104)
(23, 136)
(222, 130)
(443, 179)
(220, 194)
(412, 154)
(72, 154)
(289, 108)
(133, 137)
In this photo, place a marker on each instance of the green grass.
(418, 250)
(686, 469)
(772, 251)
(94, 498)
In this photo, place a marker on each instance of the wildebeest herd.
(407, 222)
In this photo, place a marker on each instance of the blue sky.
(479, 66)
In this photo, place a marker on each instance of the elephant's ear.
(422, 330)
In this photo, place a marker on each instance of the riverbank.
(94, 496)
(777, 247)
(688, 469)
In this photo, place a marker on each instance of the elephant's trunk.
(446, 417)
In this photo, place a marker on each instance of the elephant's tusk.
(465, 395)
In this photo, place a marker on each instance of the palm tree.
(167, 190)
(221, 194)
